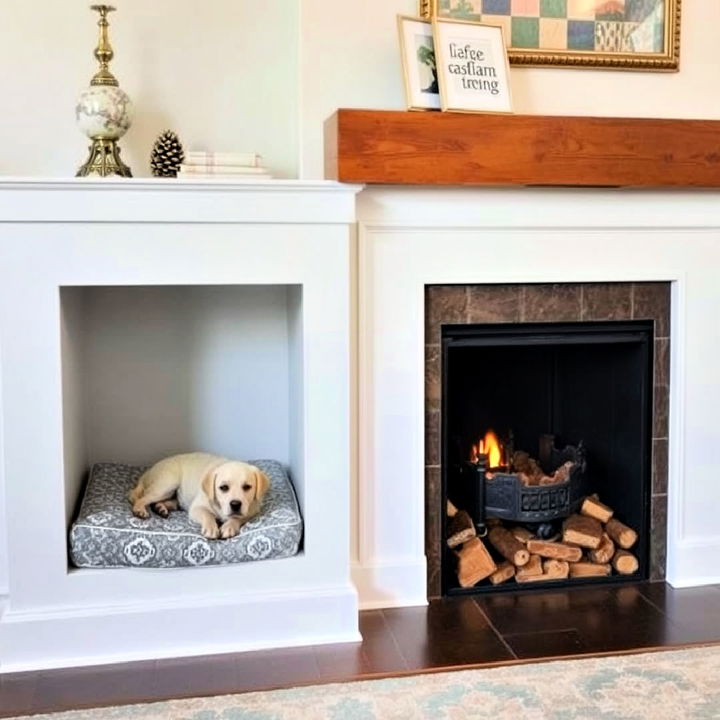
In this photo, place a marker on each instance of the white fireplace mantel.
(71, 249)
(413, 237)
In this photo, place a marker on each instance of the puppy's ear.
(263, 483)
(208, 485)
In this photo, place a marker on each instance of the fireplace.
(570, 378)
(535, 418)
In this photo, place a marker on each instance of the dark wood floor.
(461, 632)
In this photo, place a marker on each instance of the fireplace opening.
(546, 428)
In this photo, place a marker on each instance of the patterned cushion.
(106, 534)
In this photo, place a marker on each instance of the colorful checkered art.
(627, 27)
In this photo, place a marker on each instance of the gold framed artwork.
(472, 67)
(419, 66)
(610, 34)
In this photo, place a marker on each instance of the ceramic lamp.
(104, 111)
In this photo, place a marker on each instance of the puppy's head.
(236, 488)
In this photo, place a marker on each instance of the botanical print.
(607, 26)
(427, 68)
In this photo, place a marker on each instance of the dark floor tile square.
(268, 669)
(556, 643)
(377, 654)
(605, 618)
(187, 677)
(693, 612)
(451, 632)
(17, 693)
(99, 686)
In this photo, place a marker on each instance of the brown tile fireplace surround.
(483, 304)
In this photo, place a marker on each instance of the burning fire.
(490, 446)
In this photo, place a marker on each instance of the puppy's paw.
(229, 528)
(140, 511)
(210, 530)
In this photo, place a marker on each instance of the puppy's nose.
(235, 505)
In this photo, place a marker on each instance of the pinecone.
(167, 155)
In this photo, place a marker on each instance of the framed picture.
(472, 67)
(613, 34)
(419, 66)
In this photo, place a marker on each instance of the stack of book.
(235, 166)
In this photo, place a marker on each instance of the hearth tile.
(98, 686)
(433, 525)
(658, 537)
(607, 301)
(551, 303)
(589, 610)
(18, 693)
(432, 438)
(662, 361)
(494, 303)
(660, 467)
(557, 643)
(694, 613)
(448, 633)
(377, 654)
(444, 304)
(661, 397)
(432, 378)
(652, 301)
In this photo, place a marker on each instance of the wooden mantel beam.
(411, 148)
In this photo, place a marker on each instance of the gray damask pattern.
(106, 534)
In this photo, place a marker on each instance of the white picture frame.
(419, 63)
(472, 67)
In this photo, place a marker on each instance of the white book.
(212, 158)
(221, 169)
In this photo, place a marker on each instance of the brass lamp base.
(104, 160)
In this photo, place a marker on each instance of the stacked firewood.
(592, 544)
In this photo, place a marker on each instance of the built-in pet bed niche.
(106, 534)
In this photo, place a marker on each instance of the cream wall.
(222, 73)
(243, 74)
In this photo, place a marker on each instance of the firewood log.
(623, 536)
(530, 569)
(522, 534)
(625, 563)
(451, 510)
(460, 529)
(557, 551)
(588, 569)
(605, 551)
(556, 569)
(474, 563)
(583, 531)
(510, 548)
(551, 570)
(505, 571)
(593, 508)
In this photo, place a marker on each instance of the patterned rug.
(665, 685)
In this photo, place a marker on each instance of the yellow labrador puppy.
(209, 487)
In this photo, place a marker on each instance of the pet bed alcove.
(107, 535)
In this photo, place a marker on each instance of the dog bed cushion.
(107, 535)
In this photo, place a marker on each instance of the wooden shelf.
(410, 148)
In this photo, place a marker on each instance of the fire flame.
(490, 446)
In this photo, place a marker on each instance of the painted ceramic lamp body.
(104, 111)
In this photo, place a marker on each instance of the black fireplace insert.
(571, 405)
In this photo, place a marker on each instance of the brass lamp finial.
(104, 52)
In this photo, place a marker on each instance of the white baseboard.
(391, 583)
(696, 562)
(97, 636)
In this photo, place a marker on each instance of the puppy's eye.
(224, 488)
(247, 487)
